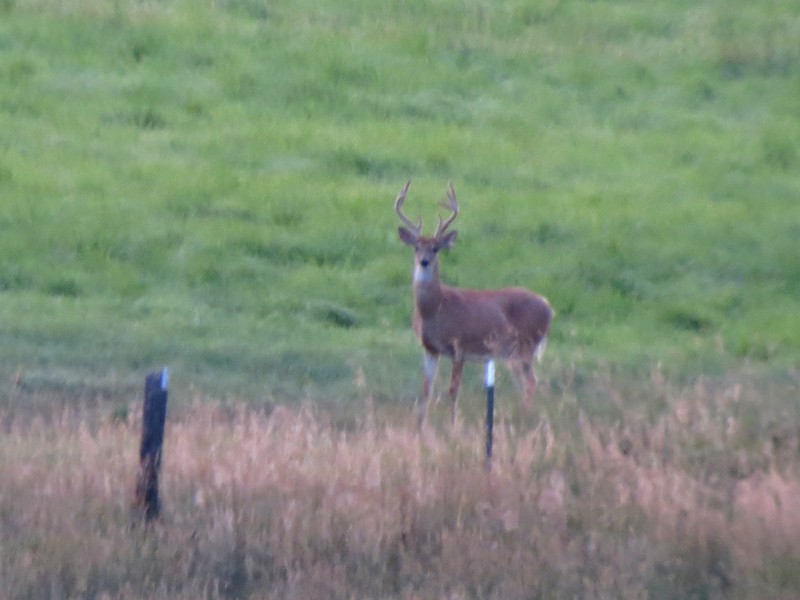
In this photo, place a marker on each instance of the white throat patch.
(421, 274)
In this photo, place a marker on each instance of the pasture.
(210, 186)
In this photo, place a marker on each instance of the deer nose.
(424, 263)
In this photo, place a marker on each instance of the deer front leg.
(455, 383)
(430, 367)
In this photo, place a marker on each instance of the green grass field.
(210, 186)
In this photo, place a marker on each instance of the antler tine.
(452, 204)
(398, 207)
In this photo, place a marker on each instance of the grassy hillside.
(210, 185)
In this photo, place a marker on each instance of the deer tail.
(538, 352)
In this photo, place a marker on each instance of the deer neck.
(427, 291)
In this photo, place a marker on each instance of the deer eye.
(435, 249)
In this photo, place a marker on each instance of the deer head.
(426, 249)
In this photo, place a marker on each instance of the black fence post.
(489, 412)
(154, 415)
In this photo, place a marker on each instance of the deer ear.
(447, 240)
(407, 237)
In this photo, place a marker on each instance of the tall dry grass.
(693, 503)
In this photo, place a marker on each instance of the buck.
(511, 324)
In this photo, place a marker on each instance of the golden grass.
(288, 505)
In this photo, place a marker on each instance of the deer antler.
(452, 204)
(398, 207)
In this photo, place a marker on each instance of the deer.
(510, 324)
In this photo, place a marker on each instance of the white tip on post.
(490, 374)
(165, 379)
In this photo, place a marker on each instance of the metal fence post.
(489, 411)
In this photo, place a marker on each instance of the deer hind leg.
(522, 369)
(455, 384)
(430, 367)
